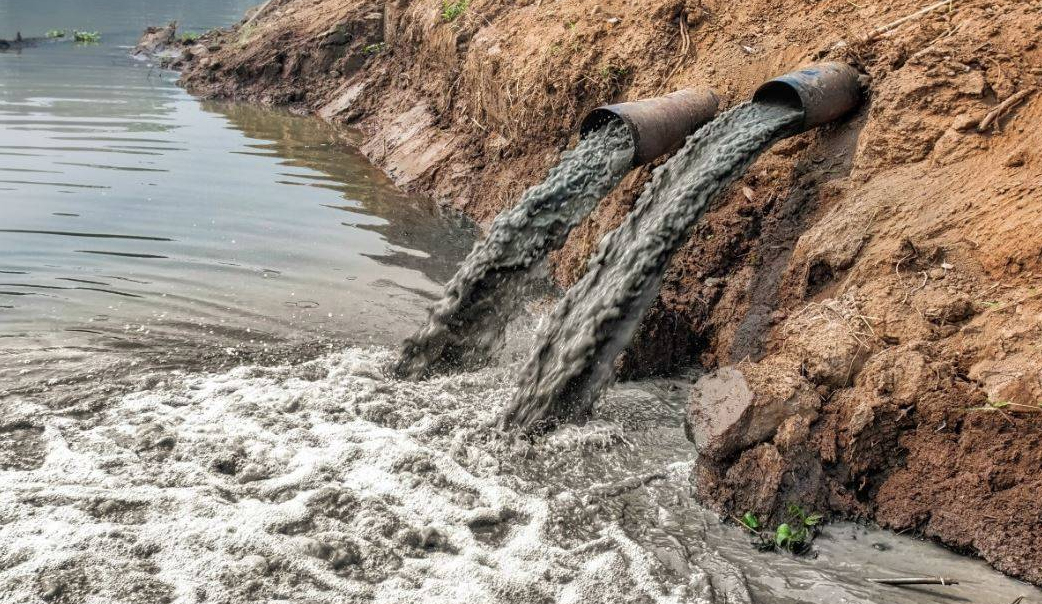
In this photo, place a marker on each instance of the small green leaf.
(750, 520)
(782, 535)
(451, 10)
(813, 519)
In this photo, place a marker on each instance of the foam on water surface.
(321, 482)
(325, 481)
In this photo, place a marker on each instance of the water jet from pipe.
(466, 326)
(574, 357)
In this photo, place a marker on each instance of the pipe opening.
(601, 117)
(657, 125)
(821, 92)
(779, 93)
(598, 118)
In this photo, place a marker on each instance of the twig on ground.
(629, 484)
(917, 581)
(1002, 109)
(257, 13)
(601, 544)
(909, 293)
(879, 31)
(897, 267)
(926, 48)
(682, 52)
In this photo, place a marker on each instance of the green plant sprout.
(374, 49)
(86, 37)
(451, 10)
(614, 73)
(1002, 406)
(793, 536)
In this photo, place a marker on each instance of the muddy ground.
(868, 292)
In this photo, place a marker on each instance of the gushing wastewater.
(574, 357)
(326, 481)
(467, 323)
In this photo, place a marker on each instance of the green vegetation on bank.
(453, 9)
(374, 49)
(86, 37)
(794, 535)
(614, 73)
(245, 33)
(1005, 408)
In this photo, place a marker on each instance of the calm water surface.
(132, 215)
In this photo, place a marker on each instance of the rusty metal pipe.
(822, 91)
(658, 125)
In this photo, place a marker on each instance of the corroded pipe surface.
(658, 125)
(823, 92)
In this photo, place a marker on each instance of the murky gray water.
(469, 321)
(134, 468)
(575, 355)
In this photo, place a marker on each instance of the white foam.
(324, 482)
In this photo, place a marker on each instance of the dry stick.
(260, 11)
(879, 31)
(917, 581)
(625, 485)
(682, 53)
(1002, 109)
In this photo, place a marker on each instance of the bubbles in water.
(315, 482)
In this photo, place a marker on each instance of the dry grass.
(843, 311)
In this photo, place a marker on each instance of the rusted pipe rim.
(822, 92)
(602, 116)
(657, 125)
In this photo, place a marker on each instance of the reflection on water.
(136, 218)
(406, 224)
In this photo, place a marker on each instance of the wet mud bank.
(866, 296)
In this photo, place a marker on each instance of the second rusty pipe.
(658, 125)
(822, 92)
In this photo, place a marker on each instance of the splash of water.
(574, 358)
(469, 320)
(317, 482)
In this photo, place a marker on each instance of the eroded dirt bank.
(869, 291)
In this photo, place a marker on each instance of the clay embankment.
(873, 284)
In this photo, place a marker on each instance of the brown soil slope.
(875, 282)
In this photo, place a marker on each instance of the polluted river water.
(470, 319)
(199, 303)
